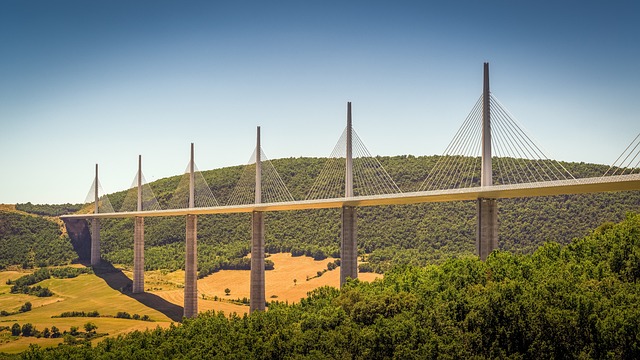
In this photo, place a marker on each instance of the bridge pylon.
(348, 243)
(487, 230)
(191, 250)
(257, 297)
(138, 239)
(95, 227)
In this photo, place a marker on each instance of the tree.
(90, 327)
(46, 332)
(26, 307)
(27, 329)
(227, 291)
(15, 329)
(55, 332)
(295, 282)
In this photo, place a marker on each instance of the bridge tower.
(487, 231)
(95, 227)
(348, 244)
(138, 239)
(191, 251)
(257, 292)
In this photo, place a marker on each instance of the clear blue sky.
(86, 82)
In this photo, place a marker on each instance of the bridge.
(352, 178)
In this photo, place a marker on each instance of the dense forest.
(32, 241)
(565, 302)
(387, 235)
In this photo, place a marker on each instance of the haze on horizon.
(103, 81)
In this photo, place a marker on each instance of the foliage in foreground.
(576, 301)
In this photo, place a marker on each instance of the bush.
(28, 329)
(365, 268)
(123, 315)
(90, 327)
(26, 307)
(74, 331)
(55, 332)
(16, 329)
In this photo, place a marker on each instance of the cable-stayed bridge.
(491, 157)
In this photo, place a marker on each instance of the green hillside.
(576, 301)
(412, 234)
(32, 241)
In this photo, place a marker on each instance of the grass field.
(162, 301)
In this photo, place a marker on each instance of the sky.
(101, 82)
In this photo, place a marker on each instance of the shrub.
(123, 315)
(26, 307)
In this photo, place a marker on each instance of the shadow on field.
(117, 280)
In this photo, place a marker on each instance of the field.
(162, 301)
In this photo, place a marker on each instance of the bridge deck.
(562, 187)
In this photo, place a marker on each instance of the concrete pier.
(95, 241)
(138, 240)
(487, 232)
(257, 291)
(349, 234)
(348, 245)
(191, 251)
(95, 225)
(138, 255)
(191, 269)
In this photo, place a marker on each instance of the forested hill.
(387, 235)
(31, 241)
(415, 234)
(574, 302)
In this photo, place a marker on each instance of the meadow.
(162, 301)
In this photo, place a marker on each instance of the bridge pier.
(348, 239)
(138, 255)
(95, 241)
(487, 232)
(95, 225)
(191, 269)
(138, 239)
(257, 299)
(348, 245)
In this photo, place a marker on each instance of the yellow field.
(162, 301)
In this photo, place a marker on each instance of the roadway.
(548, 188)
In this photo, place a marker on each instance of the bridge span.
(511, 145)
(549, 188)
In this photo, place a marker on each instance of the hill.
(31, 241)
(574, 301)
(412, 234)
